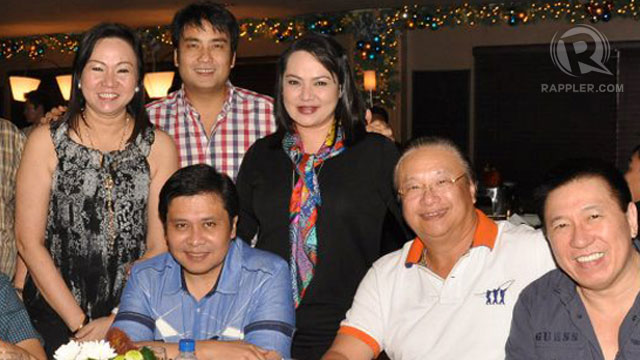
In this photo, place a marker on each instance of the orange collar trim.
(484, 235)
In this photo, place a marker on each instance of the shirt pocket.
(562, 352)
(630, 350)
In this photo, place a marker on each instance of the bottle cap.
(187, 345)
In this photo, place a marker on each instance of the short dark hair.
(379, 110)
(217, 15)
(349, 112)
(576, 169)
(87, 44)
(38, 98)
(196, 180)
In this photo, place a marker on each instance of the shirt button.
(579, 316)
(198, 310)
(635, 318)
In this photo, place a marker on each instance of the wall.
(255, 48)
(451, 48)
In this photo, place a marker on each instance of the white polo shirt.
(408, 311)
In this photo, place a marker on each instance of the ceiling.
(30, 17)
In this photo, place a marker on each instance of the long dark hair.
(87, 44)
(350, 109)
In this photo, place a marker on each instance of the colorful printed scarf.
(303, 212)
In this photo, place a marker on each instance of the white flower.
(96, 350)
(68, 351)
(88, 350)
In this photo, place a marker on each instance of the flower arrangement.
(117, 347)
(87, 350)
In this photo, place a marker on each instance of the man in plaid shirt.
(11, 144)
(211, 120)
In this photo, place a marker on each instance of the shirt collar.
(484, 235)
(233, 91)
(227, 281)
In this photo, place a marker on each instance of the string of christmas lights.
(376, 31)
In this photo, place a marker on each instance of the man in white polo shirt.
(449, 293)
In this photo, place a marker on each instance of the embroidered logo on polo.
(498, 295)
(556, 337)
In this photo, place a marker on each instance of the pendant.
(108, 184)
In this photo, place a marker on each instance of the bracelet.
(84, 322)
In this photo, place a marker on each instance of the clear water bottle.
(187, 348)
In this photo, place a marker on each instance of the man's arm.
(211, 349)
(134, 313)
(30, 349)
(272, 323)
(360, 334)
(15, 325)
(347, 347)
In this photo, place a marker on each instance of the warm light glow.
(158, 83)
(64, 84)
(369, 80)
(21, 85)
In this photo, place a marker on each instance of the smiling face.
(109, 78)
(436, 215)
(310, 92)
(204, 58)
(198, 234)
(590, 235)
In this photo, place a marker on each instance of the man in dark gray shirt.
(587, 309)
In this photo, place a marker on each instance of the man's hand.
(29, 349)
(378, 126)
(240, 350)
(53, 115)
(96, 329)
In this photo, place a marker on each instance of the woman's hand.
(95, 329)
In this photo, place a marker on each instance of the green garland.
(376, 30)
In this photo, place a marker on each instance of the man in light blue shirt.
(235, 301)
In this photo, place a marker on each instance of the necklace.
(109, 184)
(124, 132)
(423, 258)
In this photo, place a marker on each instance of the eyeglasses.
(437, 187)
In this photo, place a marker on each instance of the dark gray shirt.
(551, 322)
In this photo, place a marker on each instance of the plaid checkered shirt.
(246, 116)
(11, 144)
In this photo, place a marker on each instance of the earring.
(137, 89)
(79, 85)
